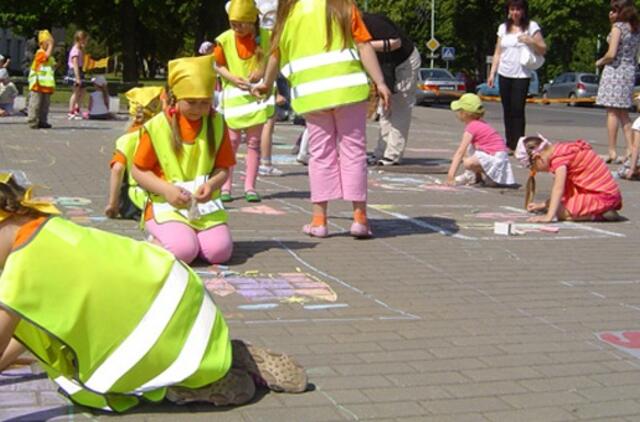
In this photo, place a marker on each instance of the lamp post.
(433, 23)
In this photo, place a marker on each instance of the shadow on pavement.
(288, 194)
(244, 250)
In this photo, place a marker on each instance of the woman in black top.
(400, 62)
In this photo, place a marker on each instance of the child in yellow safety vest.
(42, 82)
(322, 47)
(182, 160)
(126, 198)
(240, 62)
(133, 322)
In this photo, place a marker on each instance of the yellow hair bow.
(27, 201)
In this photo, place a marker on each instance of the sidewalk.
(435, 319)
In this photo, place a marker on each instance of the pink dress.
(590, 189)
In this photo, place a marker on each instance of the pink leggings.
(338, 149)
(252, 160)
(214, 245)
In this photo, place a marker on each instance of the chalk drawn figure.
(281, 287)
(626, 341)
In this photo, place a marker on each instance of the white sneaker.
(269, 171)
(466, 178)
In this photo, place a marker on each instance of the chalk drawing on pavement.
(625, 341)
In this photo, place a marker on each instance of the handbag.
(529, 59)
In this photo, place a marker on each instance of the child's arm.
(270, 75)
(217, 179)
(241, 83)
(556, 196)
(49, 49)
(174, 195)
(371, 65)
(9, 348)
(458, 156)
(115, 181)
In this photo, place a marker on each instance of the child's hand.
(178, 197)
(536, 206)
(241, 83)
(260, 90)
(255, 76)
(111, 210)
(203, 193)
(451, 181)
(540, 219)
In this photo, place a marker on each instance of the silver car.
(438, 85)
(572, 85)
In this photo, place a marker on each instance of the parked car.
(437, 85)
(484, 89)
(572, 85)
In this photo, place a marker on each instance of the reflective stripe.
(233, 92)
(231, 112)
(192, 352)
(318, 60)
(146, 333)
(69, 386)
(329, 84)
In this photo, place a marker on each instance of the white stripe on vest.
(245, 109)
(328, 84)
(146, 333)
(188, 362)
(318, 60)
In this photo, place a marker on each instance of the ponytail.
(530, 189)
(176, 139)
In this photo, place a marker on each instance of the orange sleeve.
(27, 230)
(118, 157)
(218, 53)
(41, 57)
(145, 157)
(225, 157)
(359, 31)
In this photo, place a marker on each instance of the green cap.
(470, 103)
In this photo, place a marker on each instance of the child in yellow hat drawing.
(42, 82)
(114, 321)
(126, 198)
(182, 160)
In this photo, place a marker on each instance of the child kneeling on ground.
(583, 188)
(482, 151)
(128, 322)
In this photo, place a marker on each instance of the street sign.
(448, 53)
(433, 44)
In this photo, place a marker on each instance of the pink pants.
(214, 245)
(252, 160)
(338, 153)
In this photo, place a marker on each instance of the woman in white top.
(516, 33)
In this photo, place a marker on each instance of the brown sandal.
(235, 388)
(277, 371)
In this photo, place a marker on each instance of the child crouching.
(583, 188)
(482, 151)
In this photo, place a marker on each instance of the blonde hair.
(530, 144)
(79, 36)
(338, 11)
(11, 197)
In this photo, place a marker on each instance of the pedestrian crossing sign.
(448, 53)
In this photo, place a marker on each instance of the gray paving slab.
(435, 319)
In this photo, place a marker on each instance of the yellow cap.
(144, 97)
(243, 11)
(192, 77)
(27, 201)
(43, 36)
(470, 103)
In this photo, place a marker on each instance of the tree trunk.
(129, 45)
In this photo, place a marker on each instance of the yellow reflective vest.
(111, 319)
(189, 170)
(319, 78)
(44, 76)
(241, 109)
(127, 145)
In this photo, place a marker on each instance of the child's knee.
(185, 250)
(216, 244)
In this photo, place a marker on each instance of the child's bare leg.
(471, 163)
